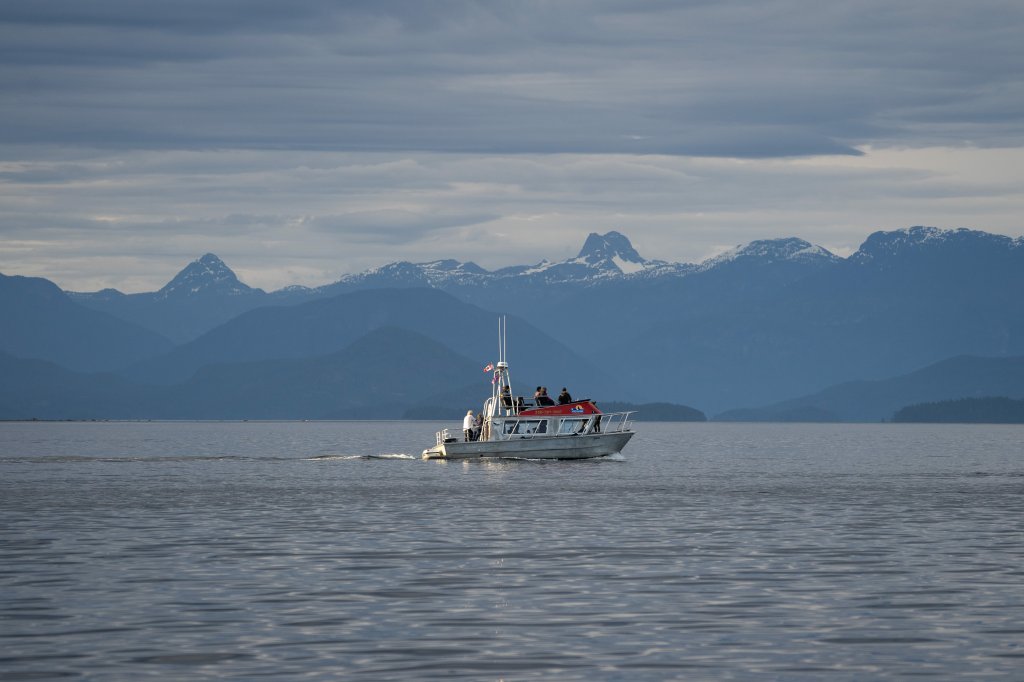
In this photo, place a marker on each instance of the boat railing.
(606, 422)
(613, 422)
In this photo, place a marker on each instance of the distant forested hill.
(965, 411)
(39, 321)
(656, 412)
(39, 389)
(872, 401)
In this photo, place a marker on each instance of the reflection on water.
(327, 550)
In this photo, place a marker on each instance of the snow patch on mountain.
(540, 267)
(627, 267)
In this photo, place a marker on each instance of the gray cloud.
(392, 226)
(746, 79)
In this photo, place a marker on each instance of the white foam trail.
(346, 457)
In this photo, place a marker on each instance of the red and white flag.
(489, 367)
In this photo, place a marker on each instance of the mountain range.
(352, 383)
(759, 325)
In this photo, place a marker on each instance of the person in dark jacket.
(564, 397)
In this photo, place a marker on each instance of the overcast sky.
(306, 139)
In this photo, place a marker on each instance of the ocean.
(330, 550)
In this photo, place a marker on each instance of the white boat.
(516, 428)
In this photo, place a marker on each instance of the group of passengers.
(542, 399)
(471, 426)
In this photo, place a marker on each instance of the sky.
(304, 140)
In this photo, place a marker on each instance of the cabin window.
(570, 426)
(526, 426)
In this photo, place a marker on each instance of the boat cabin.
(525, 419)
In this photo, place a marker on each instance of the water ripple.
(707, 552)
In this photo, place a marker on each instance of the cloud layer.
(336, 134)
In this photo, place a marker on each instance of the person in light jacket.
(467, 426)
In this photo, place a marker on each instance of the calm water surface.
(320, 551)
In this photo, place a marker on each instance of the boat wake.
(347, 457)
(128, 459)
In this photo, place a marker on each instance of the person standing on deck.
(467, 426)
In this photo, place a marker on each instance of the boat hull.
(556, 447)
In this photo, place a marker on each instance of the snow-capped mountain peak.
(892, 242)
(772, 250)
(880, 246)
(612, 250)
(207, 273)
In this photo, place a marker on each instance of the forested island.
(657, 412)
(965, 411)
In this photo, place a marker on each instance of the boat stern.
(436, 452)
(449, 447)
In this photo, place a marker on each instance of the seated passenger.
(564, 397)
